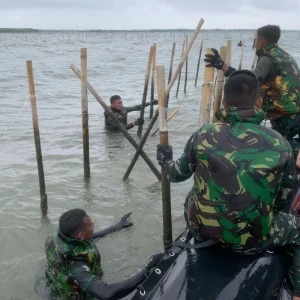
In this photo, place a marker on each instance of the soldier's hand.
(153, 262)
(154, 102)
(139, 121)
(214, 60)
(163, 153)
(124, 223)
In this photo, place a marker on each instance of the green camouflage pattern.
(281, 97)
(61, 253)
(243, 173)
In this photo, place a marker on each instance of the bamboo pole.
(170, 117)
(198, 65)
(85, 115)
(119, 124)
(168, 89)
(228, 52)
(186, 67)
(220, 85)
(171, 64)
(165, 184)
(179, 77)
(153, 78)
(242, 55)
(206, 93)
(140, 128)
(36, 132)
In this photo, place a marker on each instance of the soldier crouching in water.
(244, 175)
(74, 263)
(121, 112)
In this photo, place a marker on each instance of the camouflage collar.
(266, 49)
(246, 115)
(69, 240)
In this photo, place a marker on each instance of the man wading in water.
(121, 112)
(74, 262)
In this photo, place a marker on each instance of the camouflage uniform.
(121, 116)
(281, 96)
(61, 254)
(243, 176)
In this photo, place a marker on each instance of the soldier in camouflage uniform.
(243, 177)
(279, 76)
(74, 262)
(121, 112)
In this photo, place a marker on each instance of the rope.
(5, 46)
(1, 136)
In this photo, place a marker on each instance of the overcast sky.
(148, 14)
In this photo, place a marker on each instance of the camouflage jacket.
(62, 253)
(242, 174)
(281, 96)
(121, 116)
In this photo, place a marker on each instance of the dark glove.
(163, 153)
(123, 222)
(154, 102)
(214, 60)
(153, 262)
(139, 121)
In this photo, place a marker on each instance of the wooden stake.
(153, 78)
(242, 55)
(170, 117)
(228, 53)
(168, 89)
(171, 64)
(85, 114)
(207, 88)
(119, 124)
(220, 85)
(179, 77)
(186, 67)
(198, 65)
(165, 184)
(147, 76)
(36, 132)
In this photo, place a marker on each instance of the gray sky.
(148, 14)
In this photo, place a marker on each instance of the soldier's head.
(116, 102)
(267, 35)
(242, 90)
(76, 224)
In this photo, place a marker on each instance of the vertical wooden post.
(171, 65)
(198, 65)
(186, 67)
(36, 132)
(165, 184)
(153, 78)
(179, 76)
(84, 113)
(146, 85)
(242, 55)
(207, 88)
(228, 52)
(220, 85)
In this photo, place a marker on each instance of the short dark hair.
(71, 222)
(241, 89)
(271, 33)
(114, 98)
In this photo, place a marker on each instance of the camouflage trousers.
(286, 234)
(289, 127)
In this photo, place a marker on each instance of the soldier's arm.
(81, 275)
(139, 107)
(112, 124)
(184, 167)
(284, 199)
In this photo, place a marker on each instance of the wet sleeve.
(284, 198)
(184, 167)
(112, 124)
(265, 69)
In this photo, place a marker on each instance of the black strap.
(195, 246)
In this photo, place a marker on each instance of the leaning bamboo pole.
(153, 78)
(170, 117)
(198, 65)
(186, 67)
(179, 77)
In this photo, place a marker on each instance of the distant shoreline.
(32, 30)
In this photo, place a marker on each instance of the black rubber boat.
(213, 273)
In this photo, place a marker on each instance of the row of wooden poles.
(163, 92)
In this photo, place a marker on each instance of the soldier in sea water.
(74, 263)
(244, 175)
(279, 77)
(121, 112)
